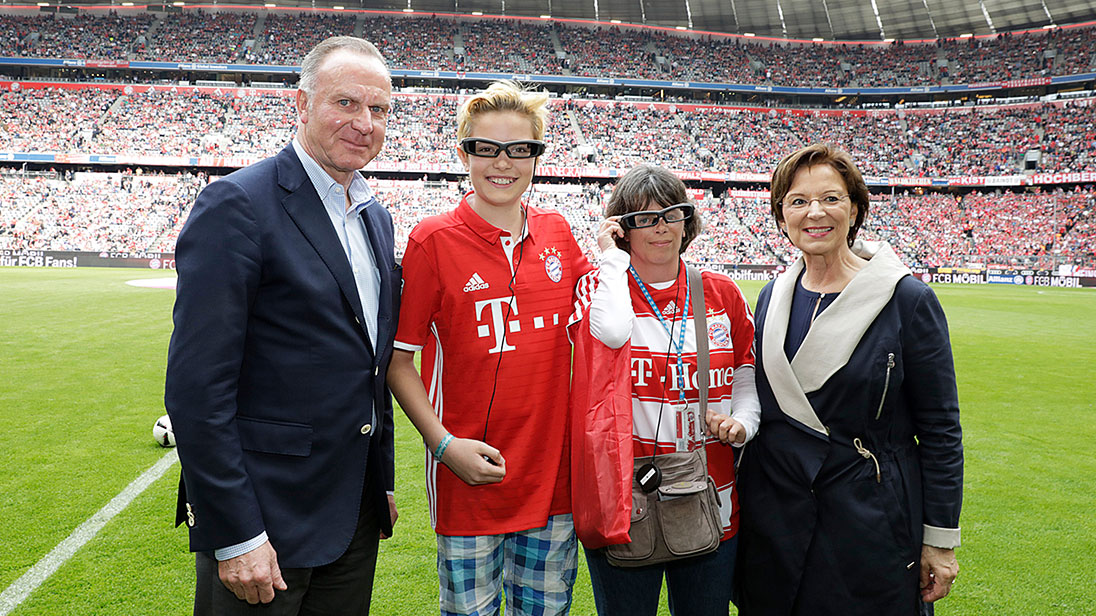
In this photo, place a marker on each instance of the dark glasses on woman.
(489, 148)
(640, 220)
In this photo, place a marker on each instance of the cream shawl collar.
(834, 335)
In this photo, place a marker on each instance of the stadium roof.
(862, 20)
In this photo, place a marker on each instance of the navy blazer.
(271, 378)
(823, 529)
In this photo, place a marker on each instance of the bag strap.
(700, 320)
(700, 324)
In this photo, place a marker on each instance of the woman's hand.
(725, 428)
(939, 570)
(475, 462)
(609, 230)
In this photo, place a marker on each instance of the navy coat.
(272, 379)
(824, 530)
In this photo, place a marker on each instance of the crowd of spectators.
(895, 219)
(710, 59)
(1004, 58)
(874, 65)
(429, 43)
(254, 126)
(964, 141)
(993, 229)
(286, 38)
(140, 212)
(51, 120)
(1075, 49)
(201, 36)
(131, 212)
(17, 30)
(816, 66)
(503, 46)
(86, 36)
(422, 43)
(623, 135)
(740, 141)
(734, 231)
(19, 195)
(95, 211)
(421, 130)
(612, 52)
(1075, 237)
(150, 122)
(973, 141)
(1068, 137)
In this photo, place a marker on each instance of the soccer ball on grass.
(161, 431)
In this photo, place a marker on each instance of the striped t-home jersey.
(661, 423)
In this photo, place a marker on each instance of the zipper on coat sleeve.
(886, 385)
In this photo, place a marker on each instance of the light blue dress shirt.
(351, 230)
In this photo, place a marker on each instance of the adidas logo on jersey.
(475, 283)
(670, 309)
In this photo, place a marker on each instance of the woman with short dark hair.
(640, 296)
(851, 492)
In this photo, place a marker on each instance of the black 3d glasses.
(489, 148)
(640, 220)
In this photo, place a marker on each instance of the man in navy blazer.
(286, 309)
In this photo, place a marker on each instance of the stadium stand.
(489, 47)
(95, 211)
(960, 141)
(426, 42)
(1068, 138)
(589, 137)
(84, 36)
(198, 36)
(133, 212)
(284, 36)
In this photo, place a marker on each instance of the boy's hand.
(475, 462)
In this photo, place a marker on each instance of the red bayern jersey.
(655, 382)
(490, 326)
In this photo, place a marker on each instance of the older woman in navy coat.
(850, 493)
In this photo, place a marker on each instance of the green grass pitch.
(82, 360)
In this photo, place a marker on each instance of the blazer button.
(366, 428)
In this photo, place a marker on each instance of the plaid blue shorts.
(535, 568)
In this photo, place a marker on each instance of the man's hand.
(253, 577)
(392, 513)
(939, 570)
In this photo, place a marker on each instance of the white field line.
(21, 588)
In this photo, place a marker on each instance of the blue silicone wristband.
(440, 451)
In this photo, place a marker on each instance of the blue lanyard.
(680, 344)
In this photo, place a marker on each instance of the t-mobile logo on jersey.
(496, 323)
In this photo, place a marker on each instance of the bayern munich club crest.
(719, 335)
(552, 264)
